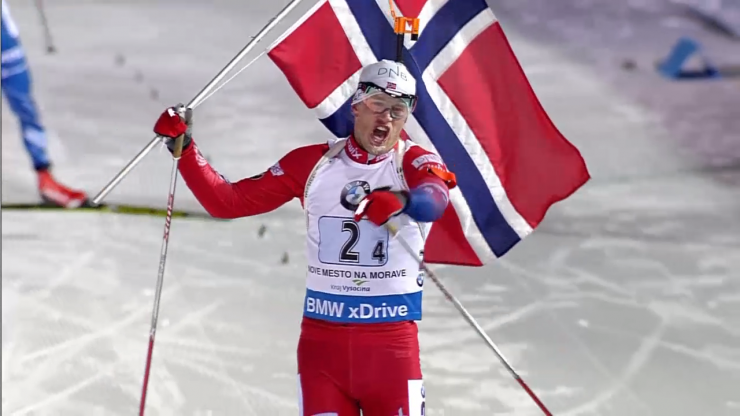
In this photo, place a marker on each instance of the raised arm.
(223, 199)
(255, 195)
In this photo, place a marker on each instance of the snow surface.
(626, 301)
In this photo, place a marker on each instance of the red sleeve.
(422, 166)
(258, 194)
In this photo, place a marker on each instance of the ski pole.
(468, 317)
(177, 152)
(197, 100)
(50, 48)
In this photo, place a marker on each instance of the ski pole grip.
(177, 151)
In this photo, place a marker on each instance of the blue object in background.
(674, 64)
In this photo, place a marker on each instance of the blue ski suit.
(16, 87)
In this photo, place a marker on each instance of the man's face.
(379, 120)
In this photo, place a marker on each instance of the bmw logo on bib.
(353, 193)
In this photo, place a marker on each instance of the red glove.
(381, 206)
(171, 125)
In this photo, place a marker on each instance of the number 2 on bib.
(343, 241)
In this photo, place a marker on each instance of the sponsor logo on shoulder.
(429, 158)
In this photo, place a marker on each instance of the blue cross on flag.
(476, 109)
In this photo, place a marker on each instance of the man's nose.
(384, 115)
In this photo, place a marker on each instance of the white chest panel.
(358, 272)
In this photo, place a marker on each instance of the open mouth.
(380, 134)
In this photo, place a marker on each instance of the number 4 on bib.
(379, 252)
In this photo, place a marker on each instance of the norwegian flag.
(475, 108)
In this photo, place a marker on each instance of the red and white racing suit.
(358, 347)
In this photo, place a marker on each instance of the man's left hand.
(381, 206)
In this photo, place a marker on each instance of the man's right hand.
(171, 124)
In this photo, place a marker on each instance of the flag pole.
(403, 25)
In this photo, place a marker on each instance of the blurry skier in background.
(16, 87)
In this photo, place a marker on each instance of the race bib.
(343, 241)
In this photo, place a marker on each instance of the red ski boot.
(54, 193)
